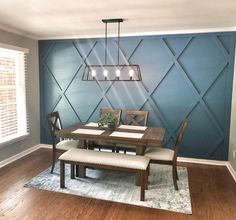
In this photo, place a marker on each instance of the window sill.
(14, 140)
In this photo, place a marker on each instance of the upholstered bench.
(105, 160)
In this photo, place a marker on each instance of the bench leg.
(72, 171)
(143, 185)
(62, 174)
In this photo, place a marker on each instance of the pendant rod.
(105, 42)
(118, 59)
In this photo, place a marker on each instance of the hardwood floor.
(212, 189)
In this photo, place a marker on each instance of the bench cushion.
(106, 158)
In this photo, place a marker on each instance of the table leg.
(83, 145)
(139, 151)
(82, 171)
(77, 170)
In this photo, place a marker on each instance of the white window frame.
(20, 95)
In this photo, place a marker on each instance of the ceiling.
(56, 19)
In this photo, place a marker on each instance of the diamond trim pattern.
(171, 129)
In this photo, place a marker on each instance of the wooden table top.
(151, 136)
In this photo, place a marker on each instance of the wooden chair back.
(54, 124)
(138, 118)
(116, 112)
(180, 135)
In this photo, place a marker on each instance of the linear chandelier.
(112, 72)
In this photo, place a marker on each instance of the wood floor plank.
(212, 189)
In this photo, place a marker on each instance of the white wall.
(32, 98)
(232, 139)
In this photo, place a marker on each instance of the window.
(13, 117)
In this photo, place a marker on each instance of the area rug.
(120, 187)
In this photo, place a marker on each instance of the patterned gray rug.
(120, 187)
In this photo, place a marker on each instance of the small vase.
(111, 126)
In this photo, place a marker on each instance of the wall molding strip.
(172, 77)
(18, 156)
(202, 161)
(142, 33)
(46, 146)
(180, 159)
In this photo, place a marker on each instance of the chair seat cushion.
(160, 154)
(106, 158)
(67, 144)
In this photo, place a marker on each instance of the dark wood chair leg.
(72, 171)
(146, 175)
(148, 170)
(53, 159)
(146, 180)
(143, 185)
(174, 177)
(62, 174)
(177, 177)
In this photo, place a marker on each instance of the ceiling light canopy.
(112, 72)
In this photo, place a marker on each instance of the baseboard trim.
(19, 155)
(46, 146)
(202, 161)
(231, 170)
(210, 162)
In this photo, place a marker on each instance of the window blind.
(13, 111)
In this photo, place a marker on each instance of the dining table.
(138, 136)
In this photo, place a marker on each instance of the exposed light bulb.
(93, 74)
(118, 74)
(131, 73)
(105, 73)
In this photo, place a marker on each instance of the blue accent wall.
(183, 76)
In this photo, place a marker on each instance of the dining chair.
(54, 124)
(168, 156)
(103, 144)
(136, 118)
